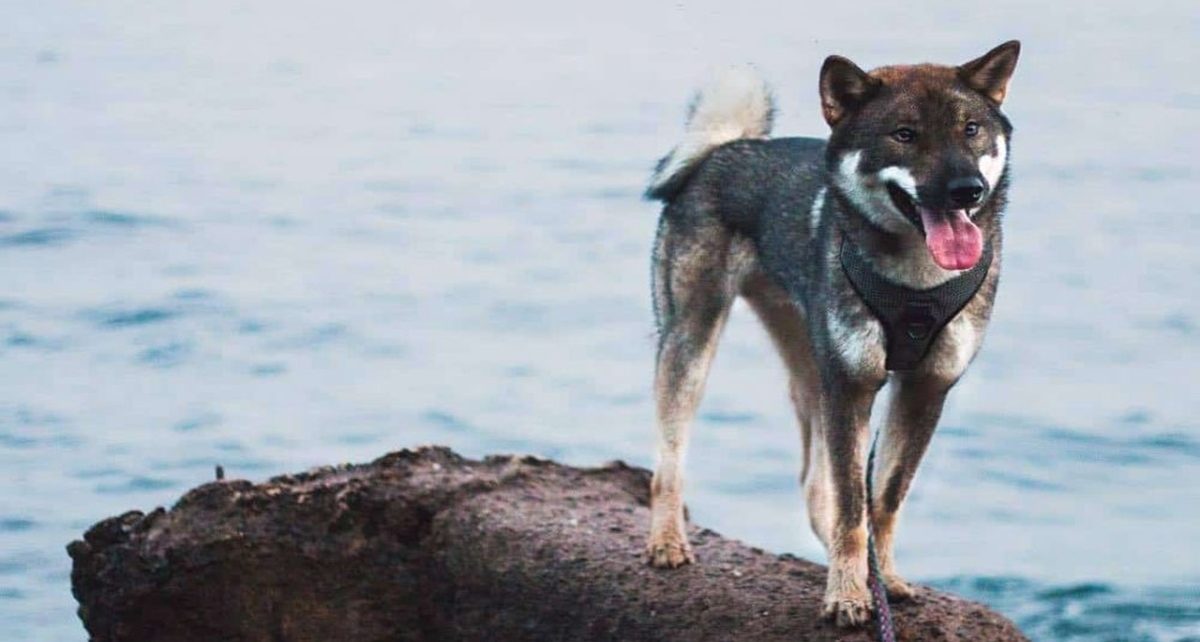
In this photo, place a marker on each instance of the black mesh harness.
(911, 318)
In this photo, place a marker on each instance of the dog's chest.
(955, 347)
(859, 341)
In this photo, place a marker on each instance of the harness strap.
(911, 318)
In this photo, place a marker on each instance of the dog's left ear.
(989, 73)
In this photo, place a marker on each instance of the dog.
(871, 258)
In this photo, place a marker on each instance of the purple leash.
(883, 612)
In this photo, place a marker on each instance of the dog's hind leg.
(693, 293)
(787, 327)
(914, 406)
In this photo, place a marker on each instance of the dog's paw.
(898, 590)
(669, 552)
(849, 609)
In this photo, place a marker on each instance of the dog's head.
(921, 148)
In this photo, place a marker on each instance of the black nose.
(965, 191)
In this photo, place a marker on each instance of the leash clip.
(917, 318)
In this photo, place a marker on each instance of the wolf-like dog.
(871, 258)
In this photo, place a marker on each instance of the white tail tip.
(736, 104)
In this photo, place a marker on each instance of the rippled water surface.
(273, 236)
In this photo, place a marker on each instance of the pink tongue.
(953, 240)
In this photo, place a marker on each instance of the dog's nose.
(965, 192)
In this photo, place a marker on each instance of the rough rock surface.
(427, 545)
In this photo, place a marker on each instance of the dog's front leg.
(847, 419)
(914, 407)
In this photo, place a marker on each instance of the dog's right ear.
(844, 88)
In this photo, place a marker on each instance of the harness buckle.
(917, 318)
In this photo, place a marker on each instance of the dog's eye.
(971, 129)
(904, 135)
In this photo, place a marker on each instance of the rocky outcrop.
(427, 545)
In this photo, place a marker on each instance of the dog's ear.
(989, 73)
(844, 88)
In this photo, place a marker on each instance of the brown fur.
(722, 236)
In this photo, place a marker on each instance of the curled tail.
(736, 104)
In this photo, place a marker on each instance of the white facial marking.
(992, 166)
(848, 169)
(814, 216)
(869, 192)
(901, 177)
(859, 345)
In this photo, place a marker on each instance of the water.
(277, 235)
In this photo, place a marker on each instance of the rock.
(427, 545)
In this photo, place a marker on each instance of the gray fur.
(741, 223)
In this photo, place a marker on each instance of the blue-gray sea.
(274, 235)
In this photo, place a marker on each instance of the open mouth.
(905, 204)
(953, 239)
